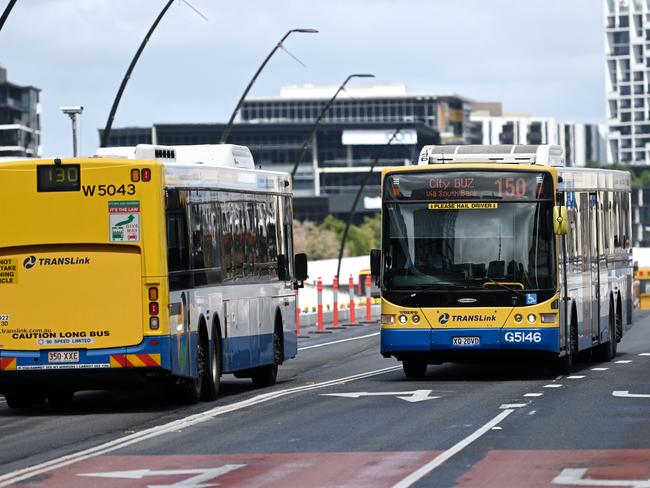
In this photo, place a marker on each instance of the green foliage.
(324, 241)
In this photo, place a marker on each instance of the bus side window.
(177, 235)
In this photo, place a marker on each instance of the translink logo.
(30, 261)
(444, 318)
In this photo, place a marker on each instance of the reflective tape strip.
(7, 364)
(118, 361)
(142, 360)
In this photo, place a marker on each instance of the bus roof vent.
(543, 154)
(209, 154)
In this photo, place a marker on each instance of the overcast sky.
(543, 57)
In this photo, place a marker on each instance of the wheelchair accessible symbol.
(531, 298)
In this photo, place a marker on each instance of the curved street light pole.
(109, 123)
(358, 196)
(227, 129)
(320, 116)
(6, 13)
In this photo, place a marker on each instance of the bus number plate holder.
(466, 341)
(63, 357)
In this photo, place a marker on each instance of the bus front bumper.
(396, 341)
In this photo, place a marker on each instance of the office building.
(20, 125)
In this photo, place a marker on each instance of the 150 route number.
(523, 337)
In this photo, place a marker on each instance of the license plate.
(466, 341)
(63, 357)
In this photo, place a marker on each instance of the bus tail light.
(154, 323)
(548, 318)
(135, 175)
(153, 294)
(146, 174)
(153, 308)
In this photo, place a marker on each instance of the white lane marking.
(533, 394)
(409, 396)
(512, 405)
(623, 361)
(200, 475)
(338, 342)
(645, 354)
(497, 428)
(25, 473)
(532, 412)
(599, 369)
(575, 477)
(455, 449)
(575, 377)
(627, 394)
(553, 385)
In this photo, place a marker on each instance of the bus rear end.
(75, 308)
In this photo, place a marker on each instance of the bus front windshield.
(491, 246)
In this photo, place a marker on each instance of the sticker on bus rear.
(124, 221)
(8, 271)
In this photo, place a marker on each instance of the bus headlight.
(531, 318)
(518, 317)
(387, 319)
(548, 318)
(403, 319)
(416, 319)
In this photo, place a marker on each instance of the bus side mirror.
(560, 222)
(375, 263)
(300, 265)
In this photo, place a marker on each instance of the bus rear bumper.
(397, 341)
(95, 368)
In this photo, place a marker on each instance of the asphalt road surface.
(343, 416)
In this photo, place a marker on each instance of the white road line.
(599, 369)
(455, 449)
(645, 354)
(575, 377)
(553, 385)
(533, 394)
(512, 405)
(338, 342)
(623, 361)
(26, 473)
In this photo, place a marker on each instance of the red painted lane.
(503, 469)
(304, 470)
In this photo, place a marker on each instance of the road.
(343, 416)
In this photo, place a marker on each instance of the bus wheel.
(564, 364)
(191, 388)
(608, 350)
(212, 374)
(19, 399)
(267, 375)
(414, 368)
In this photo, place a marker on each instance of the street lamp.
(109, 122)
(356, 199)
(72, 112)
(226, 131)
(322, 114)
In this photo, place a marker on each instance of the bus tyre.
(212, 374)
(267, 375)
(19, 399)
(607, 351)
(414, 368)
(191, 388)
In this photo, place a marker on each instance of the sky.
(542, 57)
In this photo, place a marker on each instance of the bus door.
(594, 250)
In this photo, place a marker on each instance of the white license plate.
(466, 341)
(63, 357)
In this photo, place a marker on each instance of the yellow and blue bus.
(150, 265)
(493, 250)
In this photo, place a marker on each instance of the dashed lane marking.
(512, 405)
(16, 476)
(533, 394)
(575, 377)
(455, 449)
(627, 394)
(553, 385)
(339, 341)
(645, 354)
(625, 361)
(599, 369)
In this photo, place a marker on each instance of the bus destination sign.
(60, 177)
(467, 185)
